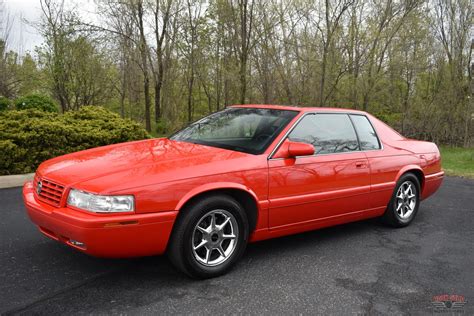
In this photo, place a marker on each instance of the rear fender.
(408, 168)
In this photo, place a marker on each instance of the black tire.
(180, 249)
(393, 217)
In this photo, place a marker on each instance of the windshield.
(250, 130)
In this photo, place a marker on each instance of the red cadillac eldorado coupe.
(240, 175)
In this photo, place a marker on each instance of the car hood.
(131, 164)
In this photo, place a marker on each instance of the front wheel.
(209, 237)
(405, 201)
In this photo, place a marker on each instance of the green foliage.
(78, 72)
(384, 57)
(29, 137)
(4, 103)
(161, 127)
(36, 101)
(388, 117)
(30, 76)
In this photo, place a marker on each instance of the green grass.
(458, 161)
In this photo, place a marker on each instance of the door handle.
(360, 164)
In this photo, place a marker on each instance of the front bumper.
(112, 236)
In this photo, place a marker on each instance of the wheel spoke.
(407, 209)
(228, 236)
(408, 189)
(213, 221)
(202, 243)
(203, 230)
(221, 250)
(221, 226)
(400, 192)
(208, 254)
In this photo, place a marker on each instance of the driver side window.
(328, 133)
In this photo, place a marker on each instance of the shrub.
(4, 103)
(29, 137)
(36, 101)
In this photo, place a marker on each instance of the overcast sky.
(23, 36)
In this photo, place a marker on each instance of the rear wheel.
(209, 237)
(405, 201)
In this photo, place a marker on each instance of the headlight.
(101, 203)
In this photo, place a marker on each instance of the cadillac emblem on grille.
(39, 187)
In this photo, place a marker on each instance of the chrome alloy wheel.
(215, 238)
(406, 200)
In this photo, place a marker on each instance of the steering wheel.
(262, 137)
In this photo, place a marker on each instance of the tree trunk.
(158, 86)
(144, 60)
(243, 79)
(190, 98)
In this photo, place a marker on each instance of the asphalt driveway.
(363, 267)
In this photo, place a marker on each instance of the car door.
(333, 182)
(383, 165)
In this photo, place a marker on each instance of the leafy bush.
(36, 101)
(29, 137)
(4, 103)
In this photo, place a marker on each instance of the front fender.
(215, 186)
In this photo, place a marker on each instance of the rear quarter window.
(365, 131)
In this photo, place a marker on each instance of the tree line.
(168, 62)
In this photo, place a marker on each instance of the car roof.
(297, 108)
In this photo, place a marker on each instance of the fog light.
(77, 243)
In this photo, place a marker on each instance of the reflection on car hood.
(162, 157)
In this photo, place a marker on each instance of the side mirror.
(300, 149)
(291, 149)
